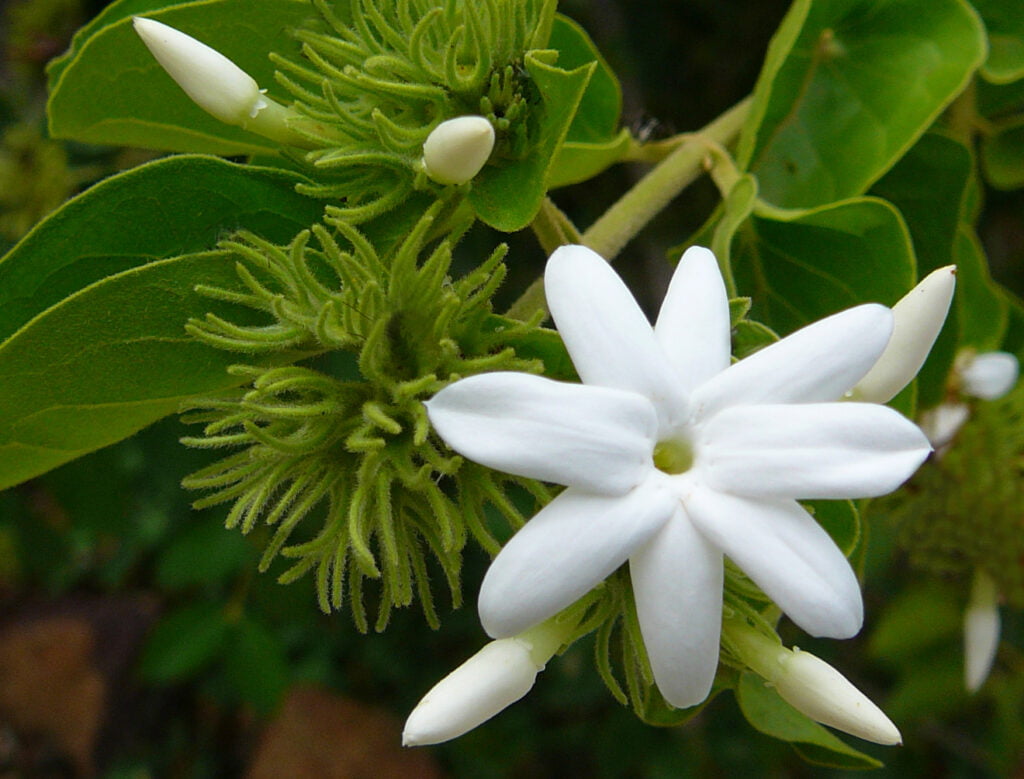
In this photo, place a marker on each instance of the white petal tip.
(457, 149)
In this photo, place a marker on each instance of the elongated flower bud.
(981, 631)
(917, 319)
(495, 677)
(812, 686)
(456, 150)
(215, 83)
(990, 375)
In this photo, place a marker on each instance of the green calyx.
(962, 511)
(377, 77)
(342, 440)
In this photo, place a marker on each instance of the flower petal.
(607, 335)
(590, 437)
(818, 363)
(569, 547)
(693, 326)
(787, 554)
(677, 585)
(816, 450)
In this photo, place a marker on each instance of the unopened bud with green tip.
(491, 680)
(981, 631)
(457, 149)
(810, 685)
(215, 83)
(917, 319)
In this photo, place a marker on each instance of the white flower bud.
(981, 631)
(495, 677)
(216, 84)
(917, 319)
(812, 686)
(943, 422)
(456, 150)
(990, 376)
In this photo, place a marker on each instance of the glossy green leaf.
(108, 361)
(507, 198)
(166, 208)
(593, 141)
(183, 642)
(110, 90)
(801, 266)
(1002, 155)
(981, 306)
(256, 665)
(839, 102)
(768, 713)
(1004, 20)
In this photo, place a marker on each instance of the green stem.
(631, 213)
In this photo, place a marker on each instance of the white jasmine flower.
(917, 319)
(215, 83)
(456, 150)
(989, 376)
(981, 631)
(673, 457)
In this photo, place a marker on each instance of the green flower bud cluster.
(379, 76)
(963, 512)
(343, 438)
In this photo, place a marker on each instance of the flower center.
(673, 456)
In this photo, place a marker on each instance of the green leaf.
(256, 665)
(1004, 21)
(1002, 154)
(183, 642)
(982, 312)
(800, 266)
(929, 186)
(108, 361)
(840, 518)
(507, 198)
(203, 554)
(165, 208)
(110, 90)
(593, 141)
(841, 100)
(769, 714)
